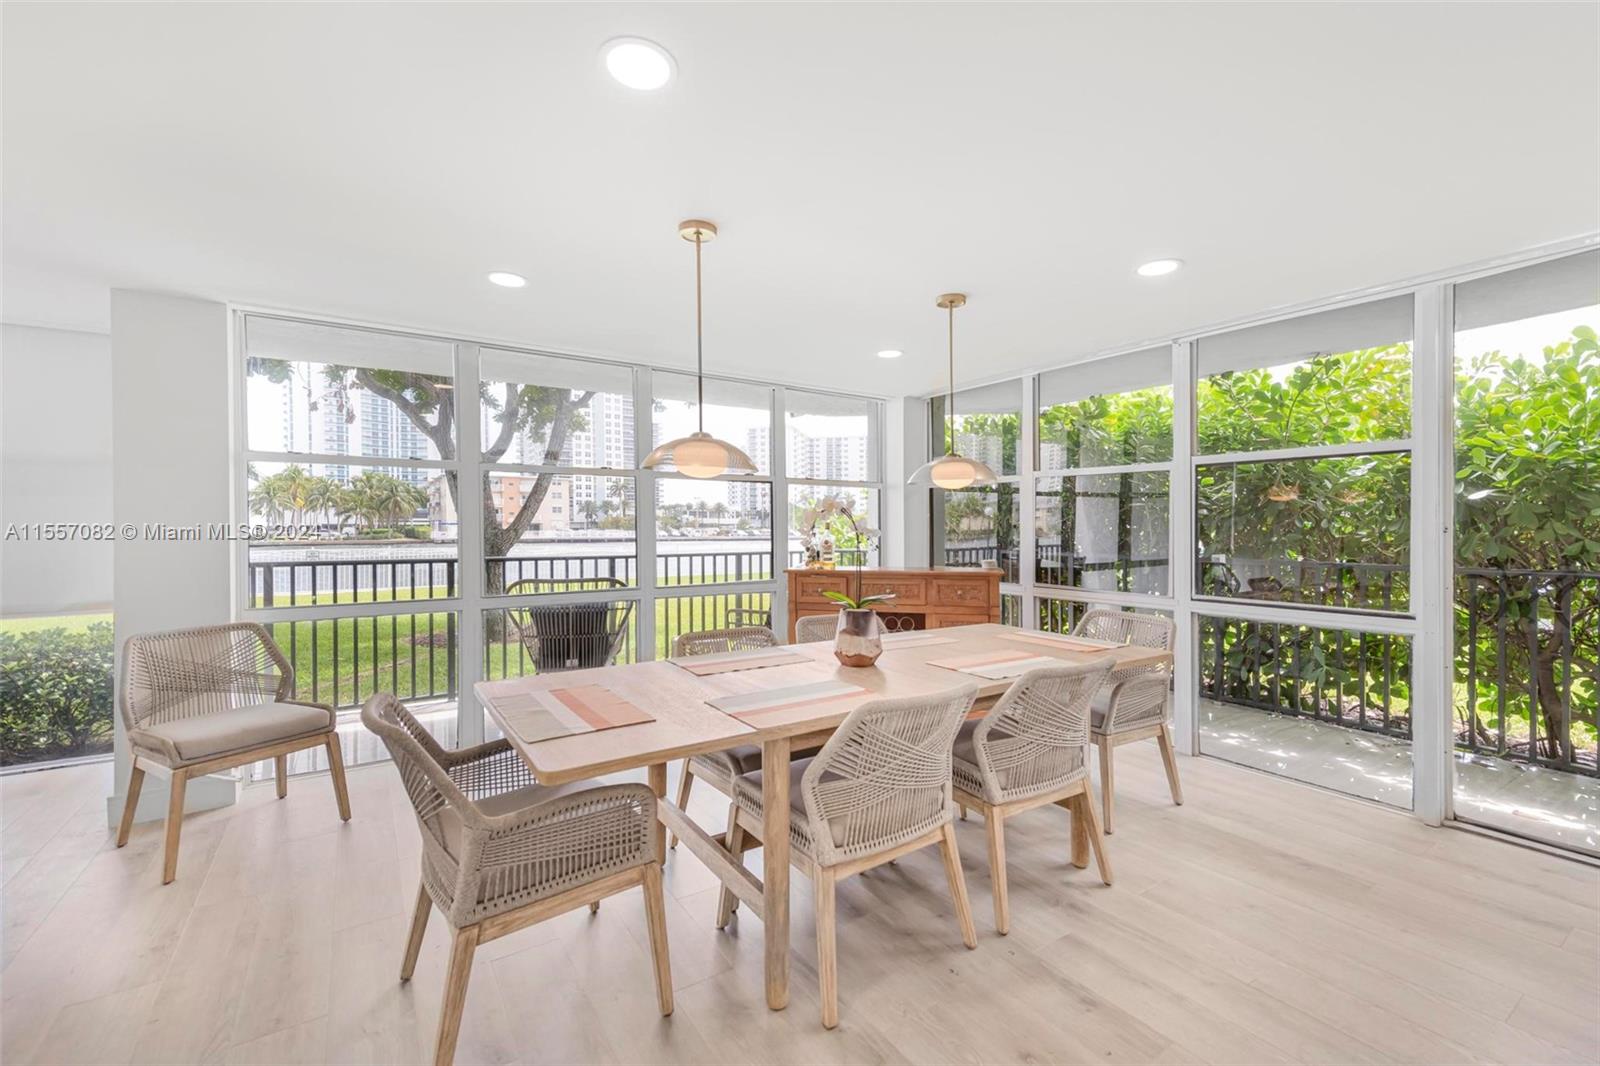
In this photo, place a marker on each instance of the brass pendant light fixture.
(952, 471)
(699, 454)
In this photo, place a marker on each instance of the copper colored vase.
(859, 639)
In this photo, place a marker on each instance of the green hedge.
(55, 693)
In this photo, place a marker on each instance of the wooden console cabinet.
(923, 599)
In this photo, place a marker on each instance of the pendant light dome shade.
(952, 471)
(699, 454)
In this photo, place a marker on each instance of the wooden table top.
(685, 724)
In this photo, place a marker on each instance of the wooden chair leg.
(822, 891)
(1096, 839)
(1169, 759)
(419, 926)
(135, 783)
(995, 822)
(958, 884)
(685, 782)
(341, 791)
(655, 915)
(1107, 785)
(169, 868)
(726, 900)
(280, 772)
(963, 807)
(1080, 827)
(462, 949)
(594, 906)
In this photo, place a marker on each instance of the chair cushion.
(1099, 708)
(206, 736)
(721, 768)
(728, 763)
(747, 793)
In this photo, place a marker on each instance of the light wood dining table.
(684, 724)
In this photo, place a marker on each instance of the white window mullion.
(1181, 534)
(1027, 535)
(471, 568)
(644, 514)
(778, 454)
(1432, 551)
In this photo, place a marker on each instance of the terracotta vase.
(859, 639)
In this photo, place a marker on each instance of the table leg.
(658, 785)
(775, 868)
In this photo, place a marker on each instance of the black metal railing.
(1528, 666)
(1357, 680)
(342, 661)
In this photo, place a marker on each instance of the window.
(817, 516)
(1336, 377)
(326, 390)
(736, 412)
(1103, 532)
(987, 425)
(980, 528)
(712, 531)
(1527, 549)
(1314, 521)
(549, 526)
(830, 437)
(1110, 412)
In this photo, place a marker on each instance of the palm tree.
(590, 510)
(619, 492)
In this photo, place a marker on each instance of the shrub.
(55, 693)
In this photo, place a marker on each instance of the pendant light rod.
(699, 231)
(950, 301)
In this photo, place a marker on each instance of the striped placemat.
(915, 640)
(728, 661)
(996, 665)
(749, 707)
(562, 712)
(1058, 641)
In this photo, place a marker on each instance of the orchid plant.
(820, 514)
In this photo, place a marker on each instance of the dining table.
(783, 699)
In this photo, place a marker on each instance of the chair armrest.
(609, 826)
(1140, 699)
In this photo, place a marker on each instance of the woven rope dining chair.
(1030, 751)
(197, 701)
(719, 768)
(501, 852)
(879, 789)
(815, 628)
(1133, 704)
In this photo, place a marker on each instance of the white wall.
(55, 466)
(172, 465)
(906, 509)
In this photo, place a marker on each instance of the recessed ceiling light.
(638, 63)
(890, 353)
(1157, 267)
(508, 280)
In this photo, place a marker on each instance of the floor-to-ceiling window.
(1102, 530)
(1527, 551)
(1302, 510)
(981, 526)
(408, 542)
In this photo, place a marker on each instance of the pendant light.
(952, 471)
(699, 454)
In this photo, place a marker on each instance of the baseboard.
(202, 794)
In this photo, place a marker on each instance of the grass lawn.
(72, 623)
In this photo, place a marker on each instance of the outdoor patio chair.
(501, 853)
(1133, 703)
(196, 701)
(1029, 751)
(878, 790)
(570, 636)
(719, 768)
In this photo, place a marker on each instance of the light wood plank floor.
(1261, 922)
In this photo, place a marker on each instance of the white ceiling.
(374, 161)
